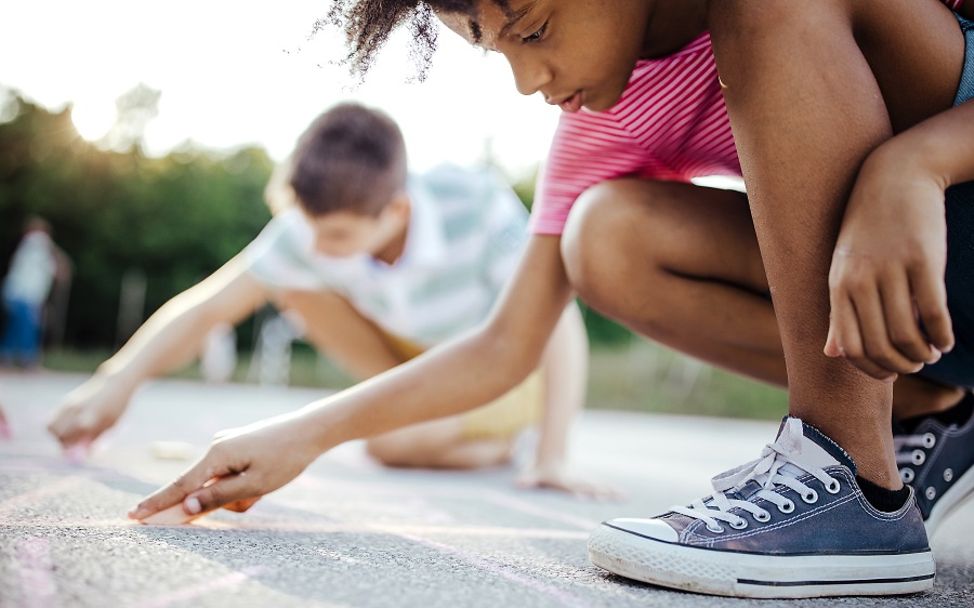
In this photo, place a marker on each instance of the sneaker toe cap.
(650, 528)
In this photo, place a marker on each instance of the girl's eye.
(536, 36)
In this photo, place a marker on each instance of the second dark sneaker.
(935, 455)
(793, 523)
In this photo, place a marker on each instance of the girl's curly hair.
(368, 23)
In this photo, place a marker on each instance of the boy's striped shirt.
(467, 231)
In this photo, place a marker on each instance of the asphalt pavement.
(348, 532)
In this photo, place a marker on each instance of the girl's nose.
(530, 76)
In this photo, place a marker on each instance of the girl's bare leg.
(807, 109)
(680, 264)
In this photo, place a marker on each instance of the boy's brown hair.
(351, 158)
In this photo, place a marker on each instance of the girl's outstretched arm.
(452, 378)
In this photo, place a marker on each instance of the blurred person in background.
(37, 263)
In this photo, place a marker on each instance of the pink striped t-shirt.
(670, 124)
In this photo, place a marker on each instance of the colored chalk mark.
(234, 579)
(37, 586)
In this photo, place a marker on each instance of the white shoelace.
(780, 464)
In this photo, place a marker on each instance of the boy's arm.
(892, 252)
(170, 338)
(565, 369)
(449, 379)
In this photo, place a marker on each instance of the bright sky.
(234, 73)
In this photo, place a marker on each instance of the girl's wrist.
(323, 425)
(909, 158)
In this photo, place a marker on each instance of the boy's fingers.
(901, 322)
(226, 491)
(191, 479)
(931, 298)
(60, 426)
(75, 427)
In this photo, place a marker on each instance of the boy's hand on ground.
(4, 426)
(560, 479)
(887, 292)
(241, 466)
(88, 411)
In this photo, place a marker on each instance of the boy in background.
(378, 266)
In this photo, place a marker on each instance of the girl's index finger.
(173, 494)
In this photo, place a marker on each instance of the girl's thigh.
(916, 51)
(683, 228)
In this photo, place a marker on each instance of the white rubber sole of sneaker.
(954, 497)
(757, 576)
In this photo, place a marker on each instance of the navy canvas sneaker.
(793, 523)
(935, 455)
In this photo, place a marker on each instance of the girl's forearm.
(942, 147)
(451, 379)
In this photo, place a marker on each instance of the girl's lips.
(572, 104)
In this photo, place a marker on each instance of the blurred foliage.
(175, 218)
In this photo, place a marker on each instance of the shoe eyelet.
(907, 475)
(929, 440)
(739, 525)
(763, 517)
(948, 475)
(833, 487)
(811, 497)
(930, 493)
(919, 457)
(717, 530)
(787, 508)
